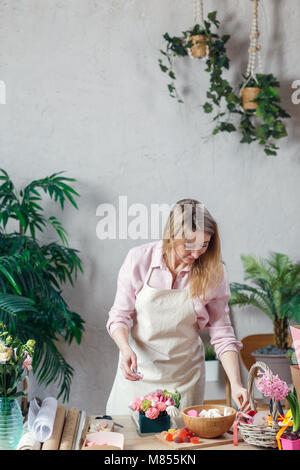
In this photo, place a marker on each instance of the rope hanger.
(198, 11)
(255, 47)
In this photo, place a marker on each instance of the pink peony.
(152, 413)
(161, 406)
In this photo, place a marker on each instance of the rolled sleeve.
(222, 336)
(122, 311)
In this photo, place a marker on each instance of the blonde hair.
(208, 266)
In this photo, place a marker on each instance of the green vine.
(264, 124)
(216, 62)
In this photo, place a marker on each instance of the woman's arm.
(224, 341)
(128, 356)
(230, 362)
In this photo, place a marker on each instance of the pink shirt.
(213, 313)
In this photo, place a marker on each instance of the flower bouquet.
(156, 409)
(15, 361)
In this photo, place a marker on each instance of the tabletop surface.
(133, 441)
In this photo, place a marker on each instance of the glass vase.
(11, 423)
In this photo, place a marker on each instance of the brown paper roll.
(53, 442)
(67, 438)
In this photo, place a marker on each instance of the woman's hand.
(240, 397)
(128, 363)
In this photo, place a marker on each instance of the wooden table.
(148, 442)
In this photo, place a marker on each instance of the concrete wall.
(84, 94)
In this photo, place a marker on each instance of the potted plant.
(211, 365)
(261, 118)
(15, 361)
(156, 410)
(275, 291)
(201, 42)
(290, 439)
(32, 275)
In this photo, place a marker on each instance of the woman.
(168, 291)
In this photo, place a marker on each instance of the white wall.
(85, 95)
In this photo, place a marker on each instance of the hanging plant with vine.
(200, 42)
(261, 113)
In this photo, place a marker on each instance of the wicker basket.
(259, 435)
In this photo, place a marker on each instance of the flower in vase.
(146, 404)
(152, 413)
(5, 353)
(27, 362)
(161, 406)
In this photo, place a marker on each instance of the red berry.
(186, 439)
(169, 437)
(195, 440)
(178, 439)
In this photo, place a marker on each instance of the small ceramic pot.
(249, 94)
(199, 45)
(288, 444)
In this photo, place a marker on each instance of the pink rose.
(152, 413)
(137, 404)
(27, 362)
(161, 406)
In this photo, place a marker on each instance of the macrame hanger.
(255, 47)
(199, 13)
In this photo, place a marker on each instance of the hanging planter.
(261, 112)
(201, 43)
(198, 49)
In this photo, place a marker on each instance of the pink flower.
(272, 386)
(170, 402)
(27, 362)
(151, 397)
(161, 406)
(162, 399)
(152, 413)
(136, 406)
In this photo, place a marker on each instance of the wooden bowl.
(208, 427)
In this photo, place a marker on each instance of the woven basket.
(259, 435)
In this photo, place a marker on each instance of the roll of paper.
(81, 427)
(42, 426)
(68, 435)
(54, 441)
(28, 441)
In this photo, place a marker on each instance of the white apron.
(170, 352)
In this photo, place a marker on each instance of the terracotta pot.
(248, 94)
(295, 371)
(287, 444)
(199, 47)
